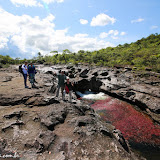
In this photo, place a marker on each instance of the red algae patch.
(134, 125)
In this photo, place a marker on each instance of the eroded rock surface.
(140, 88)
(35, 125)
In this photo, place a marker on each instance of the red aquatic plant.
(134, 125)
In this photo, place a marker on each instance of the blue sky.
(31, 26)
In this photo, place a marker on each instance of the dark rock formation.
(142, 89)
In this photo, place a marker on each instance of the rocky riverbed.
(35, 125)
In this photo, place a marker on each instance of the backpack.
(20, 69)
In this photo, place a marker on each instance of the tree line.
(142, 54)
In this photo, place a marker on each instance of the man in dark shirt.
(61, 78)
(31, 72)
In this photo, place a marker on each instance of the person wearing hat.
(69, 89)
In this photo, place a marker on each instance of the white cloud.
(123, 33)
(26, 3)
(103, 35)
(81, 35)
(32, 35)
(3, 42)
(33, 3)
(53, 1)
(112, 33)
(114, 37)
(83, 21)
(154, 27)
(137, 20)
(102, 20)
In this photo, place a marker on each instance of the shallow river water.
(141, 132)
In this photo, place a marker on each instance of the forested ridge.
(142, 54)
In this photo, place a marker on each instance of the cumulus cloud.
(3, 42)
(102, 20)
(123, 33)
(112, 33)
(32, 35)
(26, 3)
(33, 3)
(103, 35)
(83, 21)
(137, 20)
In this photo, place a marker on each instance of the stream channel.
(142, 133)
(138, 128)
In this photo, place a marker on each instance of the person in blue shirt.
(25, 72)
(31, 72)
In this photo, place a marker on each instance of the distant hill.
(144, 53)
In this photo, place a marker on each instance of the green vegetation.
(144, 53)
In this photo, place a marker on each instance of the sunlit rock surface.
(35, 125)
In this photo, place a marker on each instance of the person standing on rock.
(61, 79)
(31, 72)
(25, 72)
(69, 89)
